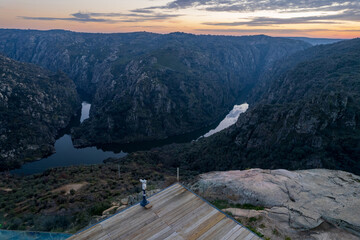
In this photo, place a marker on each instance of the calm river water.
(67, 155)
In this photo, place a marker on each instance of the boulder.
(121, 208)
(110, 210)
(124, 201)
(303, 200)
(237, 212)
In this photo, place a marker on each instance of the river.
(67, 155)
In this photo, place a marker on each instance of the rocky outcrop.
(295, 201)
(34, 105)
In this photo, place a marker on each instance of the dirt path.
(68, 187)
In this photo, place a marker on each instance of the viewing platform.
(175, 213)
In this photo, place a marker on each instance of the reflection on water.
(230, 119)
(85, 111)
(147, 145)
(67, 155)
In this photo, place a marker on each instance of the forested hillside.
(34, 105)
(307, 118)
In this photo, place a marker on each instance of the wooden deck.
(176, 213)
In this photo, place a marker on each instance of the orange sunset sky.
(305, 18)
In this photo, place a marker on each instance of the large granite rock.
(298, 200)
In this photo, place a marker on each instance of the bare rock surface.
(296, 201)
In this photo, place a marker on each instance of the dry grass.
(66, 188)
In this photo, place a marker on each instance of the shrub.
(98, 208)
(254, 230)
(220, 204)
(253, 219)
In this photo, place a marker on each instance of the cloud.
(332, 11)
(190, 3)
(180, 4)
(135, 16)
(265, 21)
(75, 19)
(255, 5)
(350, 15)
(264, 30)
(142, 10)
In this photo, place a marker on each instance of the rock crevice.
(302, 199)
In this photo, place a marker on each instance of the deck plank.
(176, 213)
(180, 213)
(219, 230)
(94, 232)
(232, 233)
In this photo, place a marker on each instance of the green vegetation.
(220, 204)
(254, 230)
(250, 222)
(308, 118)
(37, 104)
(276, 232)
(229, 213)
(98, 208)
(253, 219)
(170, 84)
(238, 220)
(43, 202)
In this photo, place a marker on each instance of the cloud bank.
(256, 5)
(332, 11)
(350, 15)
(140, 15)
(234, 16)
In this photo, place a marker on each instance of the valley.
(147, 86)
(307, 117)
(67, 155)
(83, 116)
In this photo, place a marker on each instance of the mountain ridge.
(308, 118)
(148, 86)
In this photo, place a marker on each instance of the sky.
(302, 18)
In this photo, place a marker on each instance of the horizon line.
(226, 35)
